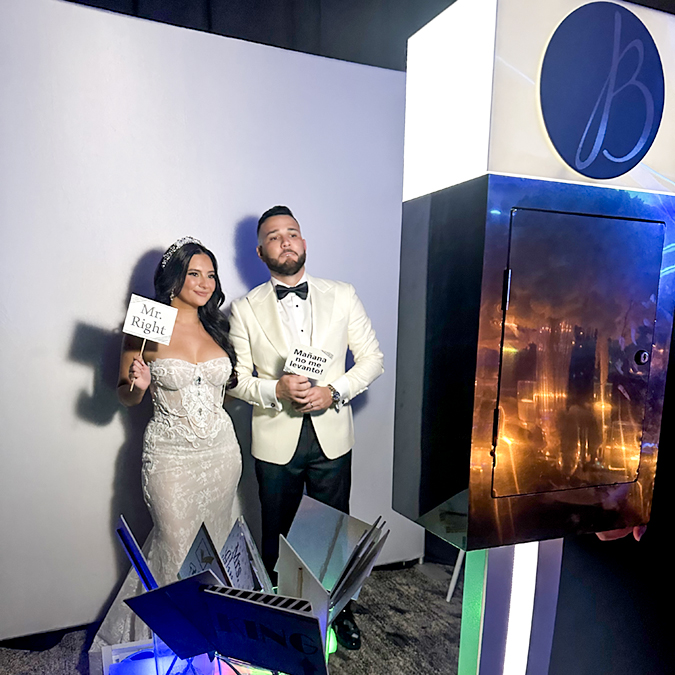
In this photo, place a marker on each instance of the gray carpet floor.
(407, 627)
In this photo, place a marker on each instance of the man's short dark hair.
(274, 211)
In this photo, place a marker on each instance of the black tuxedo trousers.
(281, 487)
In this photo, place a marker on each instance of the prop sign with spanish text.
(149, 320)
(311, 362)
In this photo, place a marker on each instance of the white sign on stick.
(311, 362)
(150, 320)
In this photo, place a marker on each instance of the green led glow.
(331, 643)
(475, 569)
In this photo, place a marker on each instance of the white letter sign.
(150, 320)
(311, 362)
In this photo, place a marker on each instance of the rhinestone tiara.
(175, 246)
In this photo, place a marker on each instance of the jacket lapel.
(323, 304)
(264, 307)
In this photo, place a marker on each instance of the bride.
(191, 460)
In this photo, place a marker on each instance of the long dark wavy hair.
(169, 281)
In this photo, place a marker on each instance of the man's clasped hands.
(303, 396)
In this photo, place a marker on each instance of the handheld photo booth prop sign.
(311, 362)
(149, 320)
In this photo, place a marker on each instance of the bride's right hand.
(139, 373)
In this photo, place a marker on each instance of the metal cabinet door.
(577, 335)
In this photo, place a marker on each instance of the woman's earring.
(171, 296)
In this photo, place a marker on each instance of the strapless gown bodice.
(188, 403)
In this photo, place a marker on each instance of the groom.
(302, 435)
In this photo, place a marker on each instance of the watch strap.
(335, 395)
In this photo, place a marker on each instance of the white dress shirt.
(295, 314)
(296, 318)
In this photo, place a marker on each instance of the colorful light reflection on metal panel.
(576, 346)
(541, 417)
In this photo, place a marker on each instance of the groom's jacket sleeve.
(248, 385)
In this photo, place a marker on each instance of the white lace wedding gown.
(191, 468)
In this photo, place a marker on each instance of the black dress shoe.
(346, 630)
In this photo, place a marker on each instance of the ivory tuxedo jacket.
(339, 321)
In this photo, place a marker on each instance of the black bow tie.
(300, 290)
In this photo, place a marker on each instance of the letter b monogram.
(602, 90)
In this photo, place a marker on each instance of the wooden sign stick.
(131, 388)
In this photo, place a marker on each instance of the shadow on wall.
(99, 348)
(252, 271)
(247, 493)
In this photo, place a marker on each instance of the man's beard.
(287, 268)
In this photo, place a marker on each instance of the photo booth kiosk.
(536, 295)
(544, 333)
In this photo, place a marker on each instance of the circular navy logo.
(602, 90)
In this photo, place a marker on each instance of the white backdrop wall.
(117, 136)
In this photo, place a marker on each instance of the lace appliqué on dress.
(191, 466)
(188, 399)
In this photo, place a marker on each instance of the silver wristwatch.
(335, 395)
